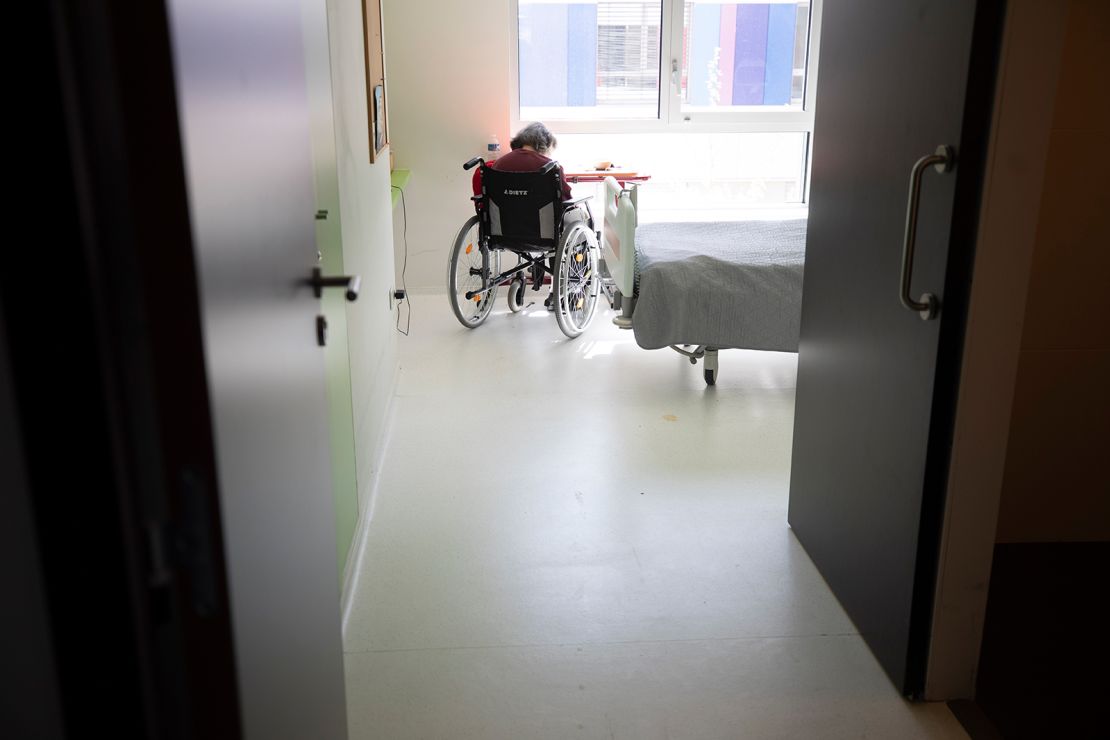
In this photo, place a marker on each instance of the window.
(743, 55)
(665, 64)
(713, 98)
(588, 60)
(699, 176)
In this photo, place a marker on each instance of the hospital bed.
(702, 287)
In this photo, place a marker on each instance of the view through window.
(737, 55)
(589, 59)
(709, 98)
(597, 59)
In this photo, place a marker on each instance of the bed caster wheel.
(516, 296)
(709, 368)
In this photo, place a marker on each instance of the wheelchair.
(523, 213)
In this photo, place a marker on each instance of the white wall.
(447, 74)
(367, 230)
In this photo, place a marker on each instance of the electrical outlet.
(395, 296)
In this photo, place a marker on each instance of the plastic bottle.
(493, 148)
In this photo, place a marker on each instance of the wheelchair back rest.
(522, 207)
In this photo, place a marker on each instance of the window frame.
(671, 118)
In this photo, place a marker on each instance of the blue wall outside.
(558, 61)
(558, 54)
(582, 55)
(779, 72)
(543, 60)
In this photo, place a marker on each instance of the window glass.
(736, 55)
(700, 176)
(589, 59)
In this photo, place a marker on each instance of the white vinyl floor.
(578, 539)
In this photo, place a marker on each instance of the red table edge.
(621, 177)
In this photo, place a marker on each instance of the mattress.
(721, 284)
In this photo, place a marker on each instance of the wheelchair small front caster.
(516, 296)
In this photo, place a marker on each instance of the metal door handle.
(943, 160)
(350, 282)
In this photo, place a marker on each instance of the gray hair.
(534, 135)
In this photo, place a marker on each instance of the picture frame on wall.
(379, 118)
(376, 103)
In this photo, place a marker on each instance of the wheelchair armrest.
(576, 201)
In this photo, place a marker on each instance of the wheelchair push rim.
(464, 274)
(577, 280)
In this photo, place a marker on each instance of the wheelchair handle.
(478, 160)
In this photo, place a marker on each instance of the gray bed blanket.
(722, 284)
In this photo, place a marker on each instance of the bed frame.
(618, 252)
(618, 246)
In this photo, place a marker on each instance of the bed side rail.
(618, 235)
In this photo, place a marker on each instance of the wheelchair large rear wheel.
(465, 273)
(577, 280)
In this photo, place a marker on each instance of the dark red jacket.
(519, 160)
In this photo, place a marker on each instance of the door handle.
(350, 283)
(943, 160)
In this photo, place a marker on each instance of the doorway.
(476, 452)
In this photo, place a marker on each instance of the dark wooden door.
(876, 381)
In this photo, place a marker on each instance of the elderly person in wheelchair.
(523, 206)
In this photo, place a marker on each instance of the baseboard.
(366, 513)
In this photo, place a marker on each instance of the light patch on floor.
(579, 539)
